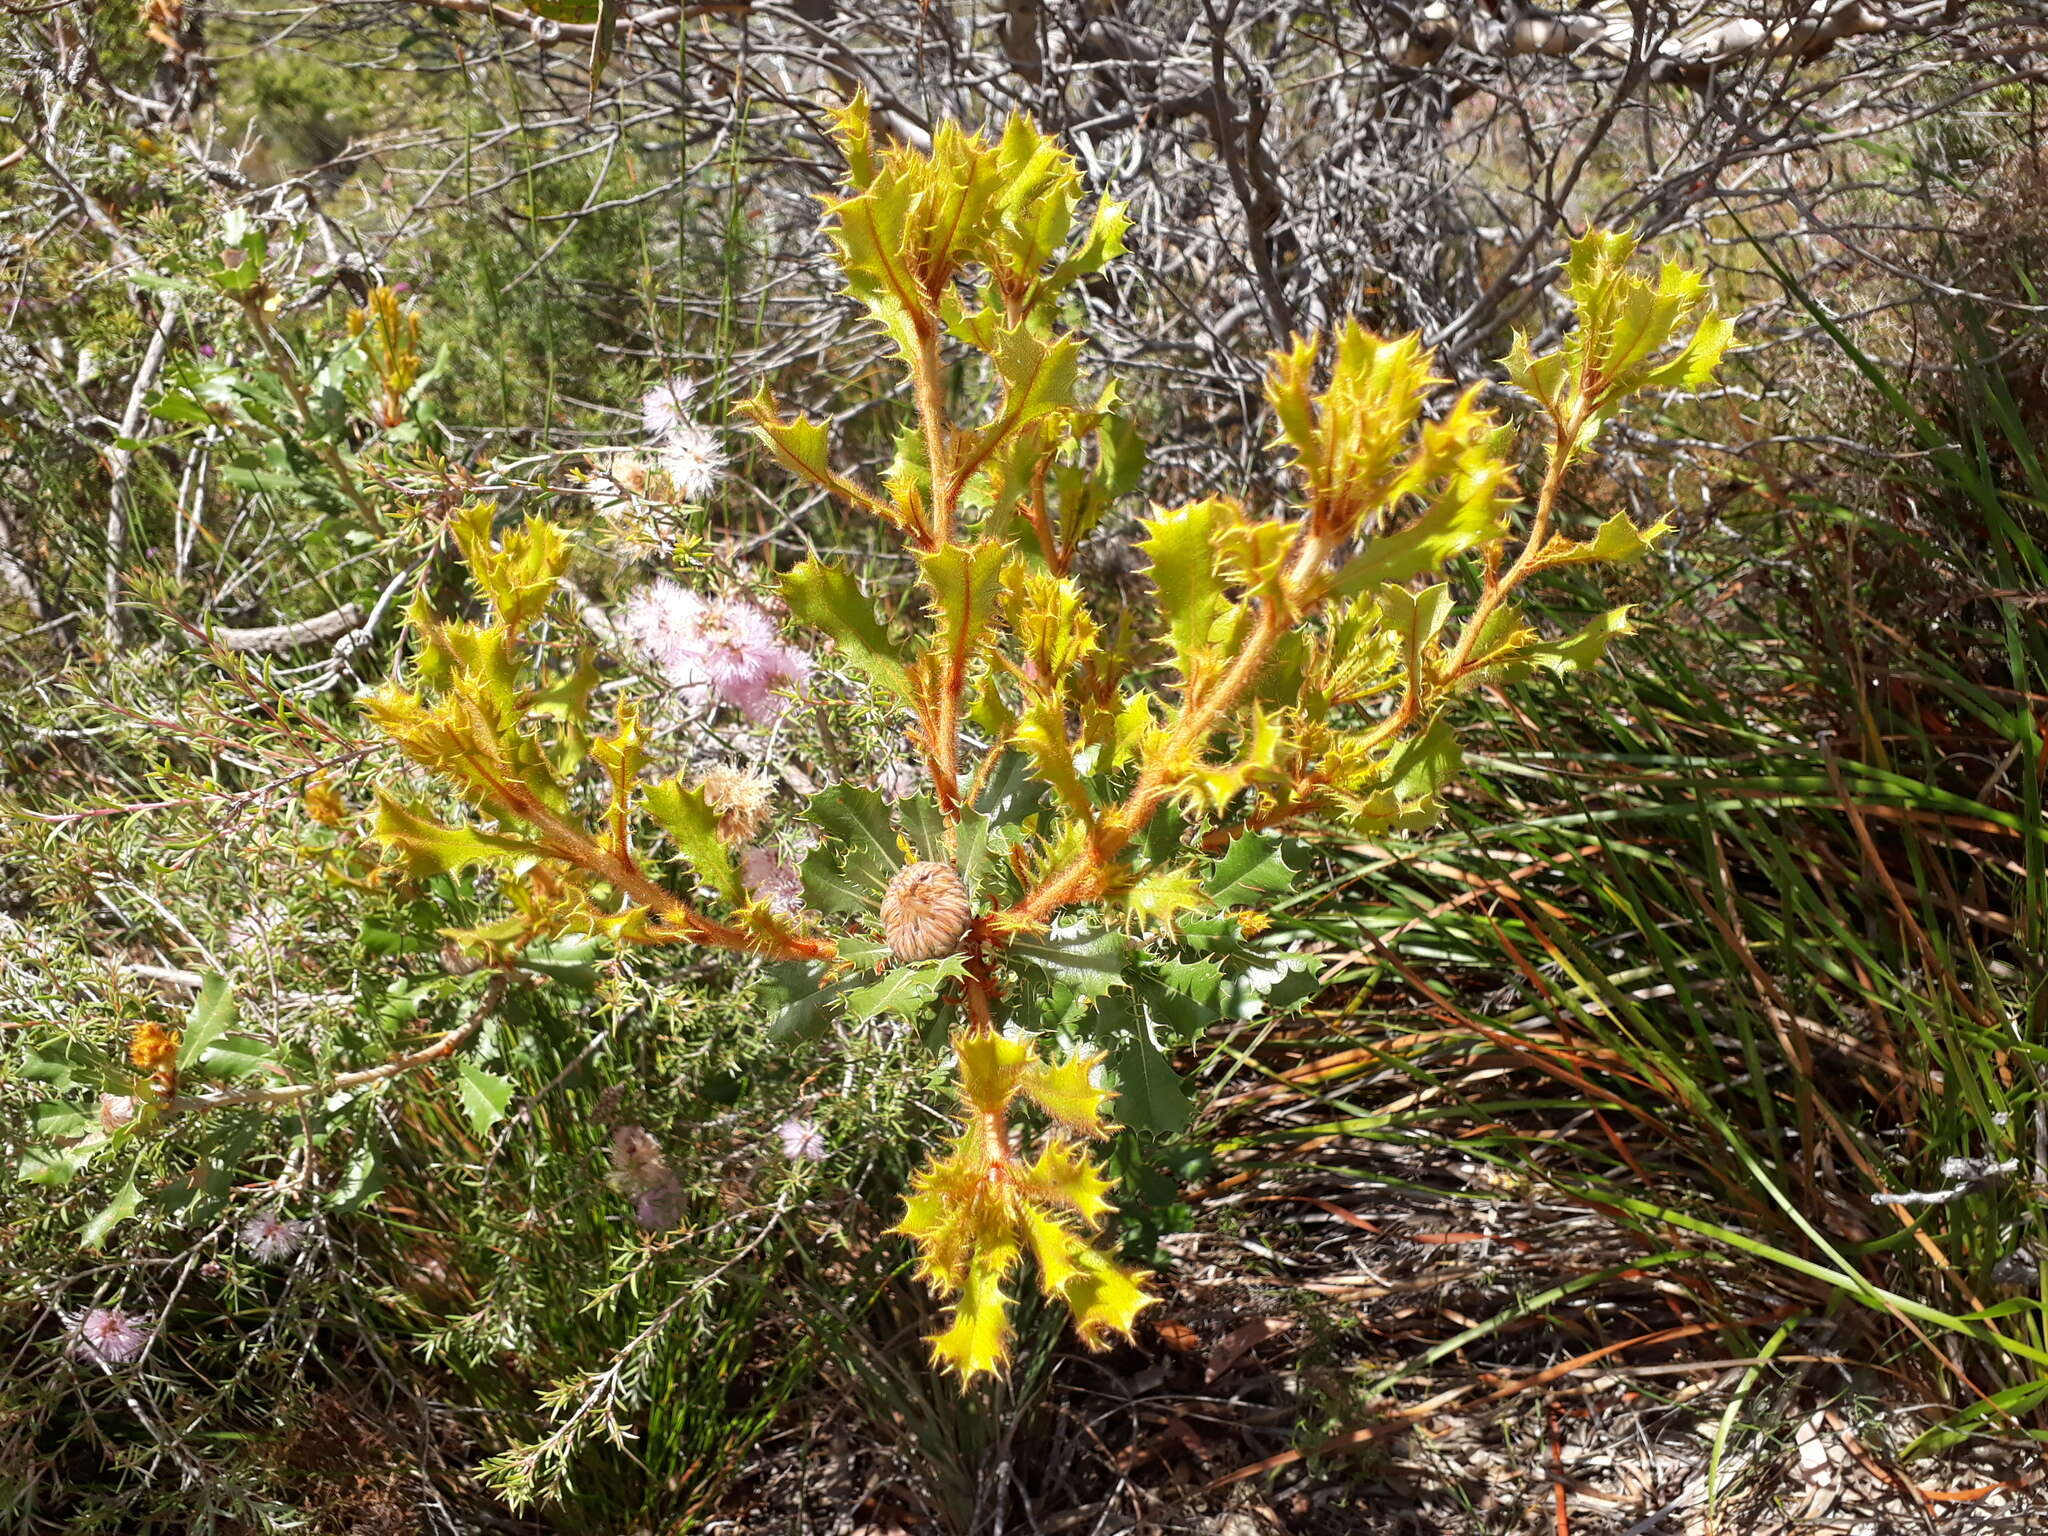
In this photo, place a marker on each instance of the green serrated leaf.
(1150, 1095)
(829, 599)
(1149, 1092)
(1423, 765)
(1466, 516)
(971, 840)
(924, 828)
(96, 1230)
(236, 1056)
(1182, 999)
(1251, 871)
(1581, 651)
(1011, 795)
(828, 889)
(1616, 542)
(1090, 961)
(801, 1005)
(687, 817)
(856, 826)
(484, 1095)
(54, 1166)
(212, 1015)
(1123, 455)
(905, 991)
(60, 1121)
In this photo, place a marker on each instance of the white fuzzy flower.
(692, 459)
(667, 405)
(270, 1237)
(802, 1141)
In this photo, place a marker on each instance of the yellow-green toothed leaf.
(519, 575)
(852, 127)
(692, 824)
(991, 1067)
(965, 583)
(1159, 897)
(1039, 377)
(978, 1342)
(1466, 514)
(803, 447)
(1541, 377)
(1066, 1090)
(1617, 540)
(1418, 770)
(1065, 1175)
(1587, 648)
(1626, 323)
(621, 756)
(1182, 547)
(1055, 1247)
(427, 848)
(1134, 722)
(1348, 439)
(1041, 735)
(1105, 1298)
(1104, 244)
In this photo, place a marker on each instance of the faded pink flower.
(802, 1141)
(769, 876)
(714, 650)
(898, 781)
(660, 1208)
(640, 1170)
(110, 1335)
(270, 1237)
(666, 406)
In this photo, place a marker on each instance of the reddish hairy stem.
(1498, 588)
(1114, 832)
(573, 847)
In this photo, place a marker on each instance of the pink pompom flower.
(111, 1336)
(771, 877)
(714, 650)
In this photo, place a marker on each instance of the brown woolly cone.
(924, 912)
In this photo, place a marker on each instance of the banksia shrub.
(1108, 798)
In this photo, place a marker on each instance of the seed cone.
(924, 912)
